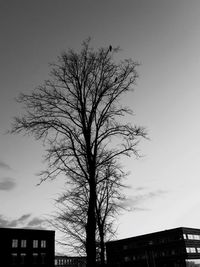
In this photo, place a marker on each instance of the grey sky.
(164, 36)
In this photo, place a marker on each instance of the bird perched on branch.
(110, 48)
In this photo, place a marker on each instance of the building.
(26, 247)
(64, 261)
(179, 247)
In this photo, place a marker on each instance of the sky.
(164, 37)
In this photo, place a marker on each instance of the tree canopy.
(78, 114)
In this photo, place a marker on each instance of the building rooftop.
(162, 232)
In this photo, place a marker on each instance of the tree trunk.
(102, 246)
(91, 228)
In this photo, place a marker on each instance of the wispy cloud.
(140, 188)
(136, 202)
(24, 218)
(140, 209)
(7, 183)
(24, 221)
(36, 222)
(147, 196)
(4, 165)
(5, 222)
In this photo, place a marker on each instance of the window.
(198, 250)
(184, 236)
(14, 258)
(22, 258)
(173, 252)
(35, 243)
(193, 263)
(197, 237)
(191, 250)
(125, 247)
(43, 258)
(43, 243)
(14, 243)
(126, 258)
(190, 236)
(23, 243)
(164, 253)
(35, 258)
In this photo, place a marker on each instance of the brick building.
(26, 247)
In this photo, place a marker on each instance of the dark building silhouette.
(65, 261)
(26, 247)
(179, 247)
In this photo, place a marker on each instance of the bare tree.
(73, 205)
(71, 220)
(108, 204)
(77, 112)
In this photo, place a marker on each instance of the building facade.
(179, 247)
(26, 247)
(65, 261)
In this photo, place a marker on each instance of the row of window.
(192, 250)
(161, 240)
(163, 253)
(22, 258)
(192, 237)
(154, 254)
(192, 263)
(16, 243)
(64, 261)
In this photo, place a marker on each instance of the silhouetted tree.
(77, 112)
(71, 220)
(109, 203)
(73, 206)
